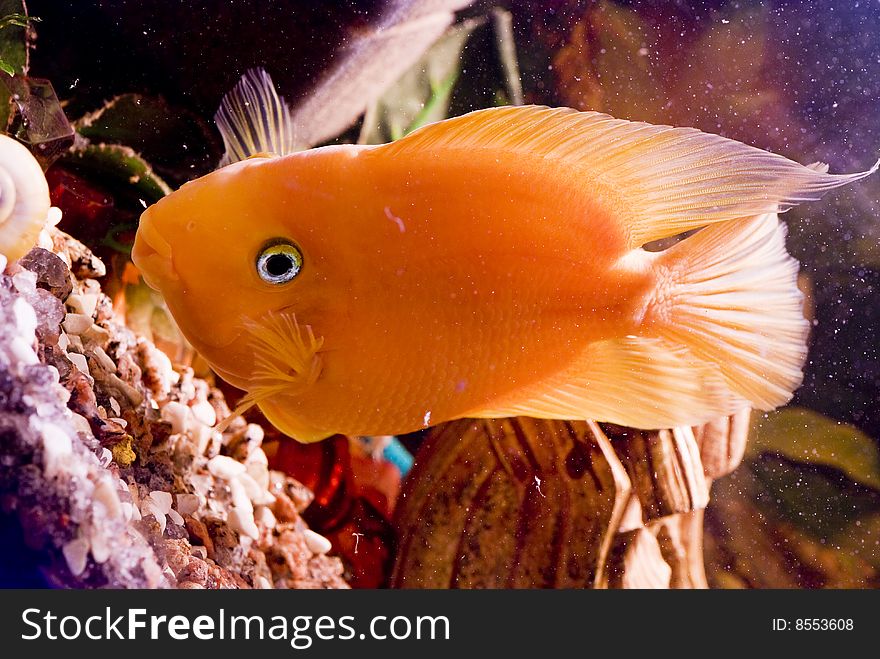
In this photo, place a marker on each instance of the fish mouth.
(152, 256)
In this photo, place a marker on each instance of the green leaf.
(20, 20)
(807, 436)
(13, 36)
(13, 51)
(177, 143)
(818, 499)
(422, 94)
(121, 169)
(778, 523)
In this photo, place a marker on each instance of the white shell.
(24, 199)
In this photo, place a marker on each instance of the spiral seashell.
(24, 199)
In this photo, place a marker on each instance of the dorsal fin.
(668, 180)
(254, 120)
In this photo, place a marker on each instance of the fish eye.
(279, 262)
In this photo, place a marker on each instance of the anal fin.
(633, 381)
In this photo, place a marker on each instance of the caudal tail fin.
(729, 295)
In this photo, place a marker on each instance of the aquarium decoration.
(114, 471)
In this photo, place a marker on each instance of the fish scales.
(491, 265)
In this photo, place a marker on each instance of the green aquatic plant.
(14, 42)
(803, 510)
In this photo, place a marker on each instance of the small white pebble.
(57, 447)
(22, 350)
(44, 240)
(97, 335)
(149, 507)
(80, 362)
(53, 217)
(203, 411)
(162, 500)
(187, 390)
(122, 422)
(258, 456)
(254, 433)
(316, 542)
(24, 281)
(127, 510)
(160, 366)
(76, 552)
(134, 396)
(240, 499)
(106, 495)
(114, 405)
(105, 457)
(260, 473)
(202, 435)
(76, 323)
(80, 423)
(25, 318)
(56, 376)
(215, 441)
(255, 493)
(103, 359)
(76, 344)
(187, 504)
(84, 304)
(243, 522)
(223, 466)
(175, 517)
(99, 546)
(63, 341)
(176, 414)
(265, 517)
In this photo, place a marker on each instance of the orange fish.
(488, 265)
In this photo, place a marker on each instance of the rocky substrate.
(108, 457)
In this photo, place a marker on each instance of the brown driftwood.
(680, 539)
(722, 443)
(510, 503)
(664, 467)
(637, 562)
(528, 503)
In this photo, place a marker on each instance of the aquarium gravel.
(108, 458)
